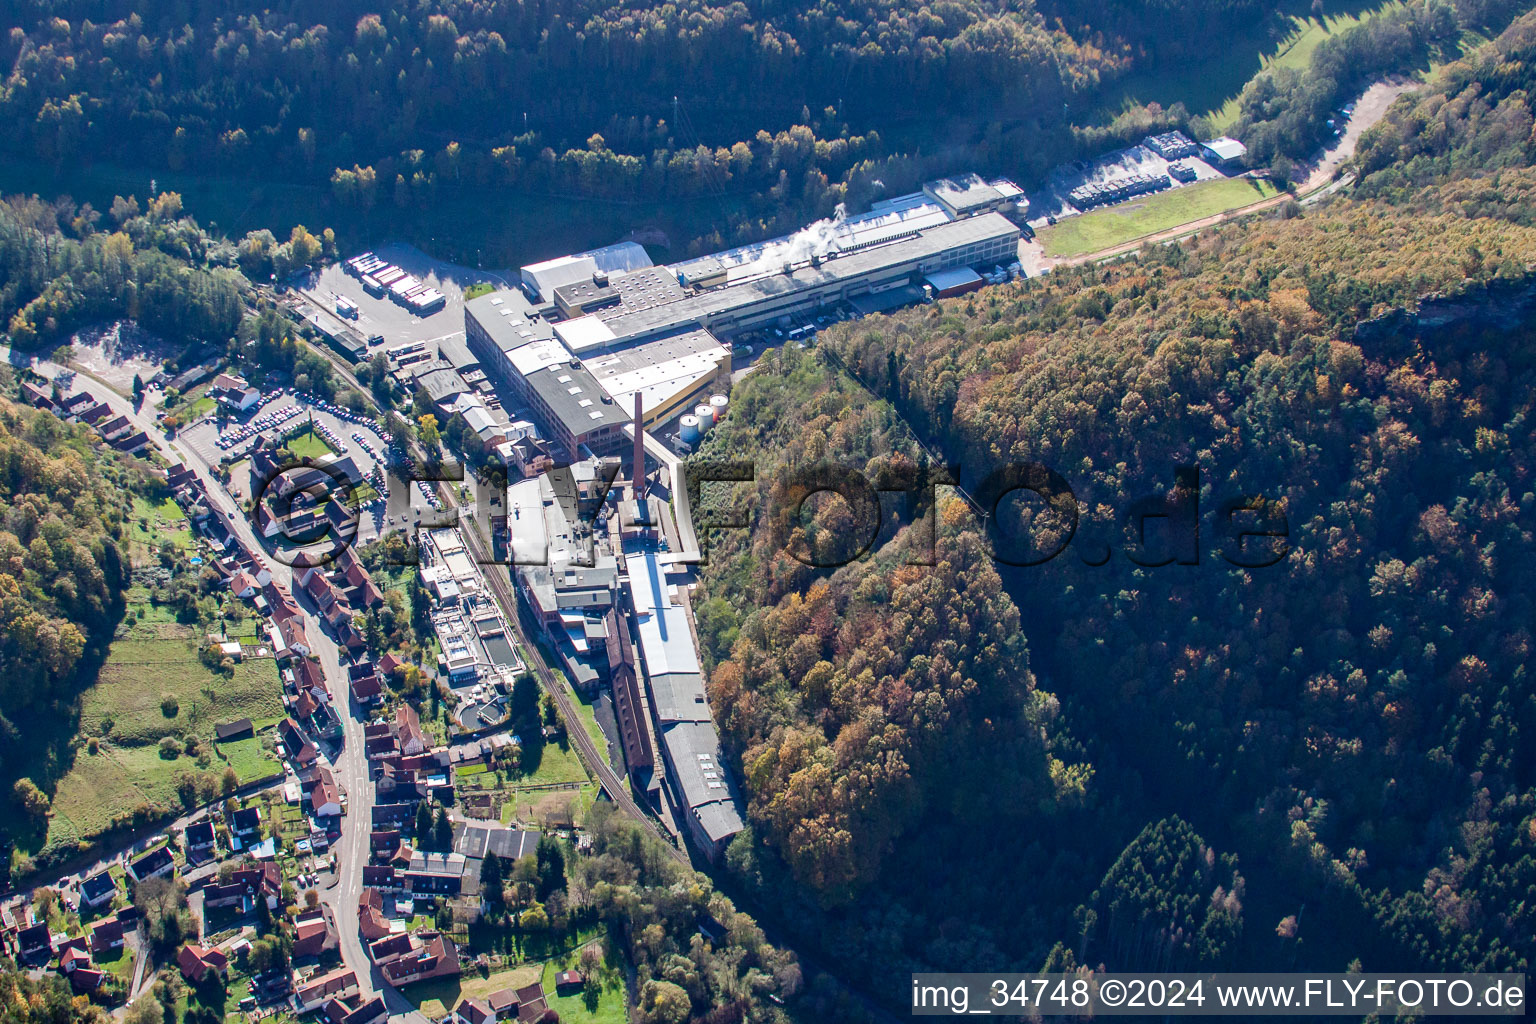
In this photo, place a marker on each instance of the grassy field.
(1211, 85)
(308, 444)
(151, 524)
(192, 405)
(1296, 50)
(438, 997)
(250, 758)
(547, 806)
(1113, 225)
(122, 713)
(100, 785)
(137, 674)
(573, 1008)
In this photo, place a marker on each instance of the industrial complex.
(587, 333)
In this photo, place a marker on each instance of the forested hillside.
(64, 265)
(1320, 761)
(61, 573)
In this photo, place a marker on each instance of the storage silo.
(705, 414)
(719, 403)
(688, 429)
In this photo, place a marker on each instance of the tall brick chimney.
(639, 473)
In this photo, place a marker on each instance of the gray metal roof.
(694, 751)
(441, 385)
(966, 192)
(503, 315)
(575, 396)
(914, 248)
(679, 697)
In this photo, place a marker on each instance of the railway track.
(610, 780)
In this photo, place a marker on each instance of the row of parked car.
(258, 423)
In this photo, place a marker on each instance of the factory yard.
(1054, 199)
(382, 317)
(1113, 225)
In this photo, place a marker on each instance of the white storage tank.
(719, 403)
(688, 429)
(705, 414)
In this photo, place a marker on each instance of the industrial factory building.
(589, 332)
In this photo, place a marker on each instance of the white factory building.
(587, 333)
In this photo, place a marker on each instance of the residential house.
(371, 921)
(281, 604)
(196, 961)
(306, 706)
(385, 815)
(367, 690)
(157, 863)
(232, 392)
(434, 957)
(86, 980)
(526, 1005)
(243, 586)
(531, 1004)
(320, 589)
(107, 937)
(73, 404)
(567, 982)
(338, 1011)
(309, 677)
(295, 640)
(246, 822)
(380, 876)
(133, 443)
(114, 428)
(94, 413)
(34, 942)
(324, 794)
(199, 840)
(300, 751)
(37, 395)
(401, 784)
(261, 880)
(384, 842)
(473, 1011)
(408, 729)
(98, 889)
(338, 984)
(314, 932)
(234, 894)
(503, 1003)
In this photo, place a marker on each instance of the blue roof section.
(665, 641)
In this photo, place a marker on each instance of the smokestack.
(639, 472)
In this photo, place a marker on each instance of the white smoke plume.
(815, 239)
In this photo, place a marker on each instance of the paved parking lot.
(360, 440)
(395, 323)
(1052, 199)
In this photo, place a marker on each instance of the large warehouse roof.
(912, 212)
(915, 248)
(660, 369)
(694, 750)
(504, 316)
(574, 395)
(620, 258)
